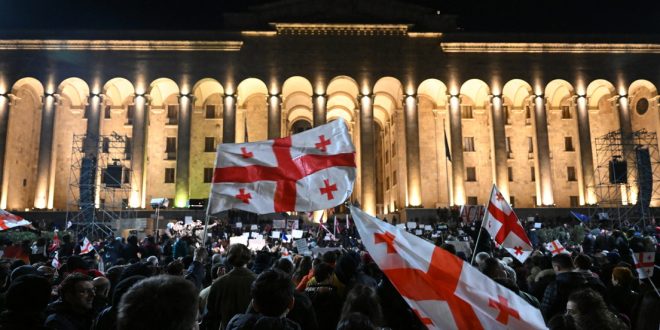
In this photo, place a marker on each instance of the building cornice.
(341, 29)
(120, 45)
(552, 47)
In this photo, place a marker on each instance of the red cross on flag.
(444, 291)
(555, 247)
(8, 221)
(309, 171)
(644, 263)
(504, 228)
(87, 246)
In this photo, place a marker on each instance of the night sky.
(521, 16)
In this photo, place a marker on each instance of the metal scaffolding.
(627, 176)
(96, 200)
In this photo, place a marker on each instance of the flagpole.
(476, 244)
(208, 202)
(444, 131)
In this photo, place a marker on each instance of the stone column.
(182, 182)
(367, 154)
(542, 151)
(498, 146)
(414, 173)
(319, 103)
(4, 127)
(457, 164)
(586, 153)
(274, 116)
(91, 144)
(138, 152)
(46, 141)
(229, 119)
(625, 127)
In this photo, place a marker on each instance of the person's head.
(101, 286)
(174, 268)
(322, 272)
(583, 261)
(304, 266)
(285, 265)
(363, 299)
(66, 238)
(449, 248)
(160, 302)
(133, 240)
(329, 257)
(622, 276)
(77, 290)
(238, 255)
(272, 293)
(584, 302)
(492, 268)
(562, 263)
(481, 257)
(356, 321)
(28, 294)
(153, 260)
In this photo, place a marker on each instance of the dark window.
(568, 143)
(127, 147)
(530, 145)
(393, 149)
(532, 174)
(565, 112)
(102, 203)
(387, 156)
(534, 201)
(127, 175)
(570, 172)
(105, 145)
(510, 172)
(512, 201)
(208, 175)
(86, 112)
(466, 112)
(468, 143)
(472, 200)
(394, 179)
(130, 112)
(507, 115)
(209, 144)
(509, 153)
(471, 174)
(210, 111)
(172, 114)
(106, 112)
(124, 203)
(169, 175)
(387, 182)
(170, 145)
(574, 201)
(528, 116)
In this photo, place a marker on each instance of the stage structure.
(99, 184)
(627, 176)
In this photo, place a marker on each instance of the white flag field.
(8, 221)
(504, 227)
(309, 171)
(444, 291)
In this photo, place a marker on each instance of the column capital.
(147, 97)
(189, 95)
(11, 98)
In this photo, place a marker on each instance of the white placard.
(238, 240)
(538, 225)
(418, 232)
(296, 233)
(239, 225)
(292, 224)
(412, 225)
(256, 244)
(428, 227)
(187, 220)
(401, 226)
(254, 227)
(275, 234)
(301, 244)
(279, 224)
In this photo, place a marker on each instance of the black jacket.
(62, 317)
(261, 322)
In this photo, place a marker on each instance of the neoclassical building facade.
(522, 113)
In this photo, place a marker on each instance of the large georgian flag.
(444, 291)
(644, 263)
(309, 171)
(8, 221)
(504, 227)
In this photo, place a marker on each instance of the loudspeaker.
(618, 171)
(112, 176)
(644, 176)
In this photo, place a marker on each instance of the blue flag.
(580, 216)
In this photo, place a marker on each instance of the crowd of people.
(174, 282)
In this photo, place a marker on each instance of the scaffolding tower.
(99, 184)
(627, 176)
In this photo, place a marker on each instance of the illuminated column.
(457, 164)
(274, 116)
(498, 146)
(625, 127)
(93, 125)
(412, 150)
(319, 102)
(182, 183)
(229, 119)
(367, 154)
(4, 121)
(46, 141)
(542, 150)
(138, 152)
(586, 154)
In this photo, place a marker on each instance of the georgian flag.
(504, 227)
(644, 263)
(86, 246)
(56, 261)
(442, 290)
(309, 171)
(555, 247)
(8, 221)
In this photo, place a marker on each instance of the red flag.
(56, 242)
(555, 247)
(444, 291)
(504, 227)
(8, 220)
(56, 261)
(310, 171)
(644, 263)
(86, 246)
